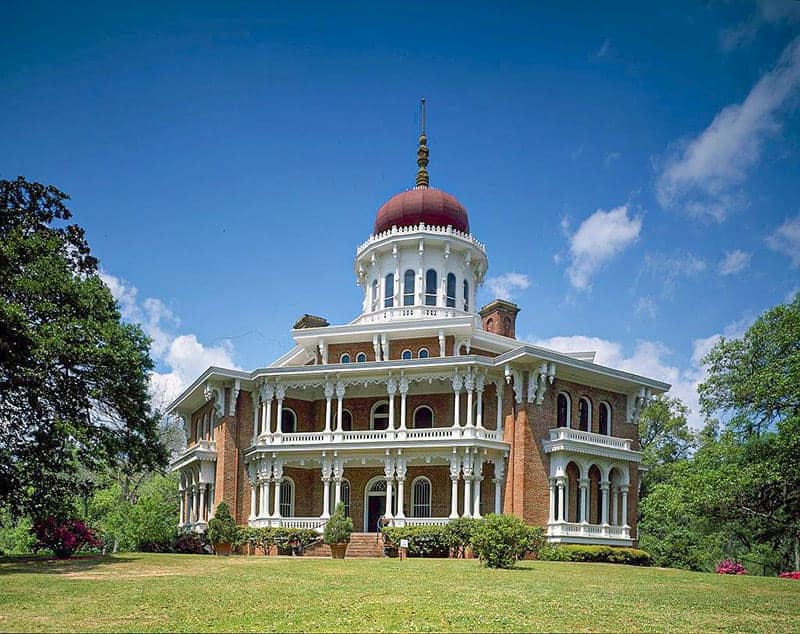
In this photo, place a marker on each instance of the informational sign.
(403, 543)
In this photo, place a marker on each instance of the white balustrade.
(570, 529)
(425, 521)
(385, 435)
(565, 433)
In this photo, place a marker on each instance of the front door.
(376, 506)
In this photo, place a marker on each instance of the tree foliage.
(73, 377)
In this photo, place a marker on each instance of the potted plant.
(222, 530)
(337, 532)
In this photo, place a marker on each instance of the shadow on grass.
(50, 565)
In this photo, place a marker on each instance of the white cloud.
(645, 307)
(701, 175)
(606, 48)
(505, 286)
(610, 158)
(183, 356)
(766, 12)
(786, 240)
(734, 262)
(600, 237)
(665, 269)
(651, 359)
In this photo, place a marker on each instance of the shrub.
(458, 534)
(303, 537)
(596, 554)
(500, 540)
(423, 541)
(790, 575)
(192, 544)
(730, 567)
(338, 528)
(16, 537)
(222, 527)
(63, 537)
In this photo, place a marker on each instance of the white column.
(466, 467)
(499, 473)
(339, 407)
(182, 495)
(604, 486)
(624, 494)
(328, 398)
(256, 404)
(403, 387)
(388, 472)
(326, 486)
(263, 509)
(338, 472)
(478, 478)
(391, 390)
(583, 511)
(614, 514)
(469, 386)
(202, 503)
(455, 469)
(277, 476)
(561, 500)
(401, 470)
(266, 409)
(457, 383)
(479, 382)
(442, 350)
(280, 392)
(551, 518)
(253, 487)
(376, 346)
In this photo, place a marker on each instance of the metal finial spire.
(422, 152)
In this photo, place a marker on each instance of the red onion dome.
(423, 204)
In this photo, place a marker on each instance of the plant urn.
(223, 548)
(338, 550)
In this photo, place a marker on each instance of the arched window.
(423, 417)
(347, 420)
(421, 497)
(451, 290)
(388, 291)
(584, 414)
(423, 353)
(346, 496)
(379, 416)
(605, 419)
(406, 354)
(375, 295)
(408, 288)
(345, 358)
(563, 410)
(430, 288)
(361, 357)
(466, 295)
(288, 421)
(287, 498)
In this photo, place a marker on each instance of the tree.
(754, 386)
(665, 438)
(73, 377)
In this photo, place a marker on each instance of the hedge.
(601, 554)
(423, 541)
(280, 537)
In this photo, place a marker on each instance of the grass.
(144, 592)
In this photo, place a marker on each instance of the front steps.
(361, 545)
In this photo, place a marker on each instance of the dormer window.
(451, 290)
(408, 288)
(430, 288)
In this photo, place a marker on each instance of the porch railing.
(575, 529)
(380, 435)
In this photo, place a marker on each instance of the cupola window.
(408, 288)
(388, 291)
(466, 296)
(451, 290)
(430, 288)
(375, 297)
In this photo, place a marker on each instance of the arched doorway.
(375, 503)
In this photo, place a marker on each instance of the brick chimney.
(500, 317)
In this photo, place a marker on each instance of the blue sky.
(632, 168)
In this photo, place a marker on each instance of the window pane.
(466, 295)
(406, 354)
(288, 422)
(388, 291)
(361, 357)
(451, 290)
(423, 418)
(408, 288)
(430, 288)
(423, 353)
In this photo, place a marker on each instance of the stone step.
(361, 545)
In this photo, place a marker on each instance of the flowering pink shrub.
(790, 575)
(730, 567)
(63, 537)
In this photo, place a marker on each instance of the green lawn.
(183, 592)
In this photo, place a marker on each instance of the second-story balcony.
(577, 441)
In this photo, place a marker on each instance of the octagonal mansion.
(422, 409)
